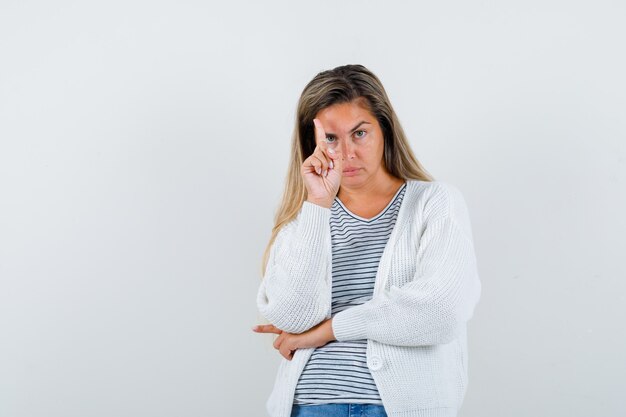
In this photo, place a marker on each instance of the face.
(357, 133)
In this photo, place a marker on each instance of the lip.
(352, 172)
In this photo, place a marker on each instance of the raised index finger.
(320, 134)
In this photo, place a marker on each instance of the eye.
(363, 132)
(328, 139)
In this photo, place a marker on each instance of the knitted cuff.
(314, 221)
(350, 324)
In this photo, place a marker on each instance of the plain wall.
(143, 149)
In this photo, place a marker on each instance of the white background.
(143, 148)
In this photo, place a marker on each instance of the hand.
(288, 343)
(322, 187)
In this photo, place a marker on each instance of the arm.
(294, 294)
(441, 297)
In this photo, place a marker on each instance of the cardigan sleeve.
(439, 299)
(294, 294)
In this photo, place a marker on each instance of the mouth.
(351, 169)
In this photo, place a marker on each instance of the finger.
(322, 149)
(279, 340)
(286, 352)
(336, 158)
(266, 328)
(320, 133)
(321, 163)
(312, 164)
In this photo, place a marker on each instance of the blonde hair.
(342, 84)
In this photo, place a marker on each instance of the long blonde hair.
(341, 85)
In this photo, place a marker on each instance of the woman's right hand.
(322, 187)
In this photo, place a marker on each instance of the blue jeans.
(338, 410)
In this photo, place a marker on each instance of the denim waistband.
(338, 410)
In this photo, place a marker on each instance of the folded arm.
(294, 294)
(432, 307)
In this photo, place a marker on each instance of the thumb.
(337, 158)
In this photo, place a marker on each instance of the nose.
(347, 149)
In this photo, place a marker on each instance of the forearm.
(432, 307)
(295, 292)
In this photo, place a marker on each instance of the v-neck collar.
(379, 214)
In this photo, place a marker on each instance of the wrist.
(323, 203)
(331, 334)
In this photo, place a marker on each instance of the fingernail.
(331, 164)
(318, 170)
(255, 327)
(325, 172)
(331, 150)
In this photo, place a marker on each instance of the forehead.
(342, 117)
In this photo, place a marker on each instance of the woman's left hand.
(287, 343)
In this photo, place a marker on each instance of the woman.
(370, 275)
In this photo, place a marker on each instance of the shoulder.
(437, 199)
(309, 219)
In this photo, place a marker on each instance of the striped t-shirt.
(337, 372)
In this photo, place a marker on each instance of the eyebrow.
(353, 129)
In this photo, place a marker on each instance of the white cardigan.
(426, 289)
